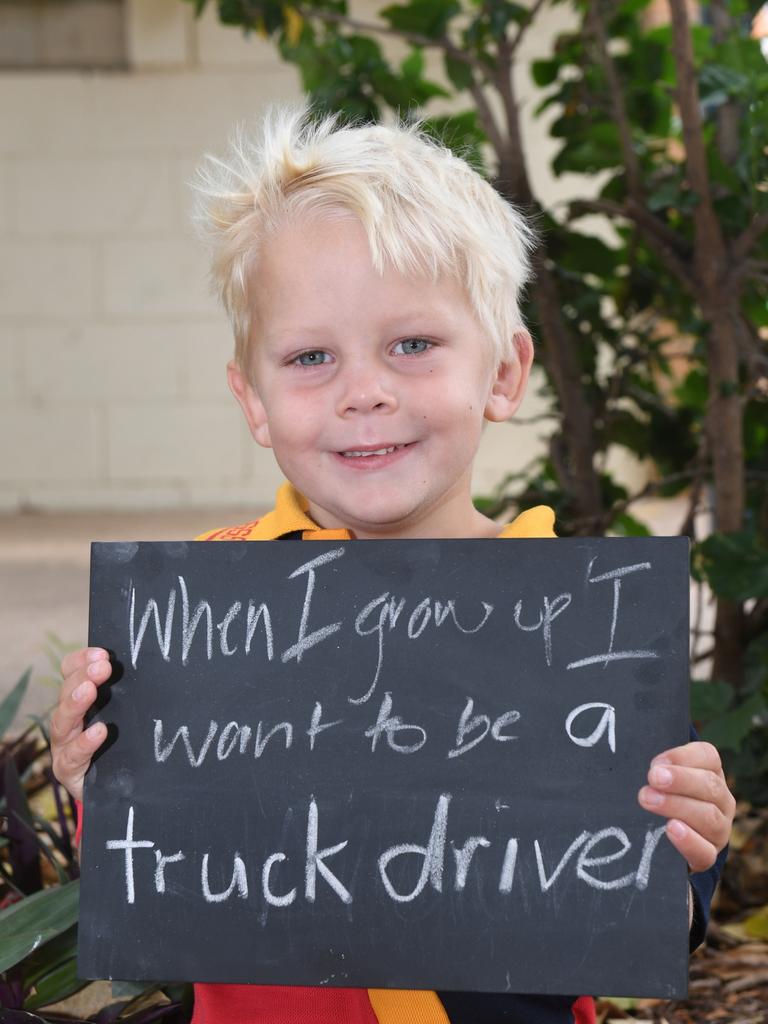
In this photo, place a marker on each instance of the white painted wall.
(112, 390)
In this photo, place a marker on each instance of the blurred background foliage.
(39, 893)
(651, 330)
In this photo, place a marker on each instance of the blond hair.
(424, 210)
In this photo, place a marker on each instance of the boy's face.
(372, 391)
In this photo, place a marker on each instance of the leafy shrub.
(39, 891)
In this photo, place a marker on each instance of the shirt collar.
(291, 516)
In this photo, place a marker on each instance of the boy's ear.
(249, 401)
(510, 380)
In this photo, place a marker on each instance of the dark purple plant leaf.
(72, 808)
(172, 1013)
(43, 826)
(11, 991)
(65, 844)
(23, 849)
(19, 1017)
(42, 848)
(9, 880)
(23, 752)
(109, 1013)
(61, 1018)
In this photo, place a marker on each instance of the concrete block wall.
(112, 392)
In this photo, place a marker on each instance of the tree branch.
(728, 113)
(710, 252)
(703, 655)
(524, 26)
(618, 108)
(753, 351)
(602, 522)
(444, 43)
(640, 214)
(666, 244)
(742, 247)
(487, 117)
(512, 167)
(756, 622)
(748, 270)
(688, 526)
(415, 38)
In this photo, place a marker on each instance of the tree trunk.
(577, 441)
(725, 434)
(720, 307)
(576, 444)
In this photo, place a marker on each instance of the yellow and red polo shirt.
(277, 1004)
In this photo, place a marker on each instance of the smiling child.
(373, 280)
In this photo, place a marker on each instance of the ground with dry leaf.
(729, 974)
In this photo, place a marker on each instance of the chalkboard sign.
(388, 764)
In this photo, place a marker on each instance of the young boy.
(372, 279)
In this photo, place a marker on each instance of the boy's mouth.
(362, 453)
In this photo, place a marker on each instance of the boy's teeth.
(378, 451)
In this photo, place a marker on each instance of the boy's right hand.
(72, 747)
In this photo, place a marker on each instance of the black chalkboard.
(388, 764)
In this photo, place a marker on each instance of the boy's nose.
(366, 391)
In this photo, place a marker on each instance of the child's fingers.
(697, 851)
(697, 783)
(700, 816)
(687, 785)
(76, 660)
(71, 747)
(67, 717)
(71, 760)
(77, 694)
(697, 754)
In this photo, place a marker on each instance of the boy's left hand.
(687, 786)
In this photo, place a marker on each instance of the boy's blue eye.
(315, 357)
(412, 346)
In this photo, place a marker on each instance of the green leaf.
(709, 699)
(586, 253)
(626, 525)
(623, 1002)
(462, 134)
(629, 432)
(36, 919)
(458, 72)
(665, 195)
(545, 72)
(756, 925)
(729, 731)
(11, 703)
(59, 983)
(50, 955)
(590, 147)
(694, 390)
(412, 66)
(756, 665)
(428, 17)
(734, 564)
(502, 12)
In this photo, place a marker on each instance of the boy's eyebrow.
(433, 318)
(288, 332)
